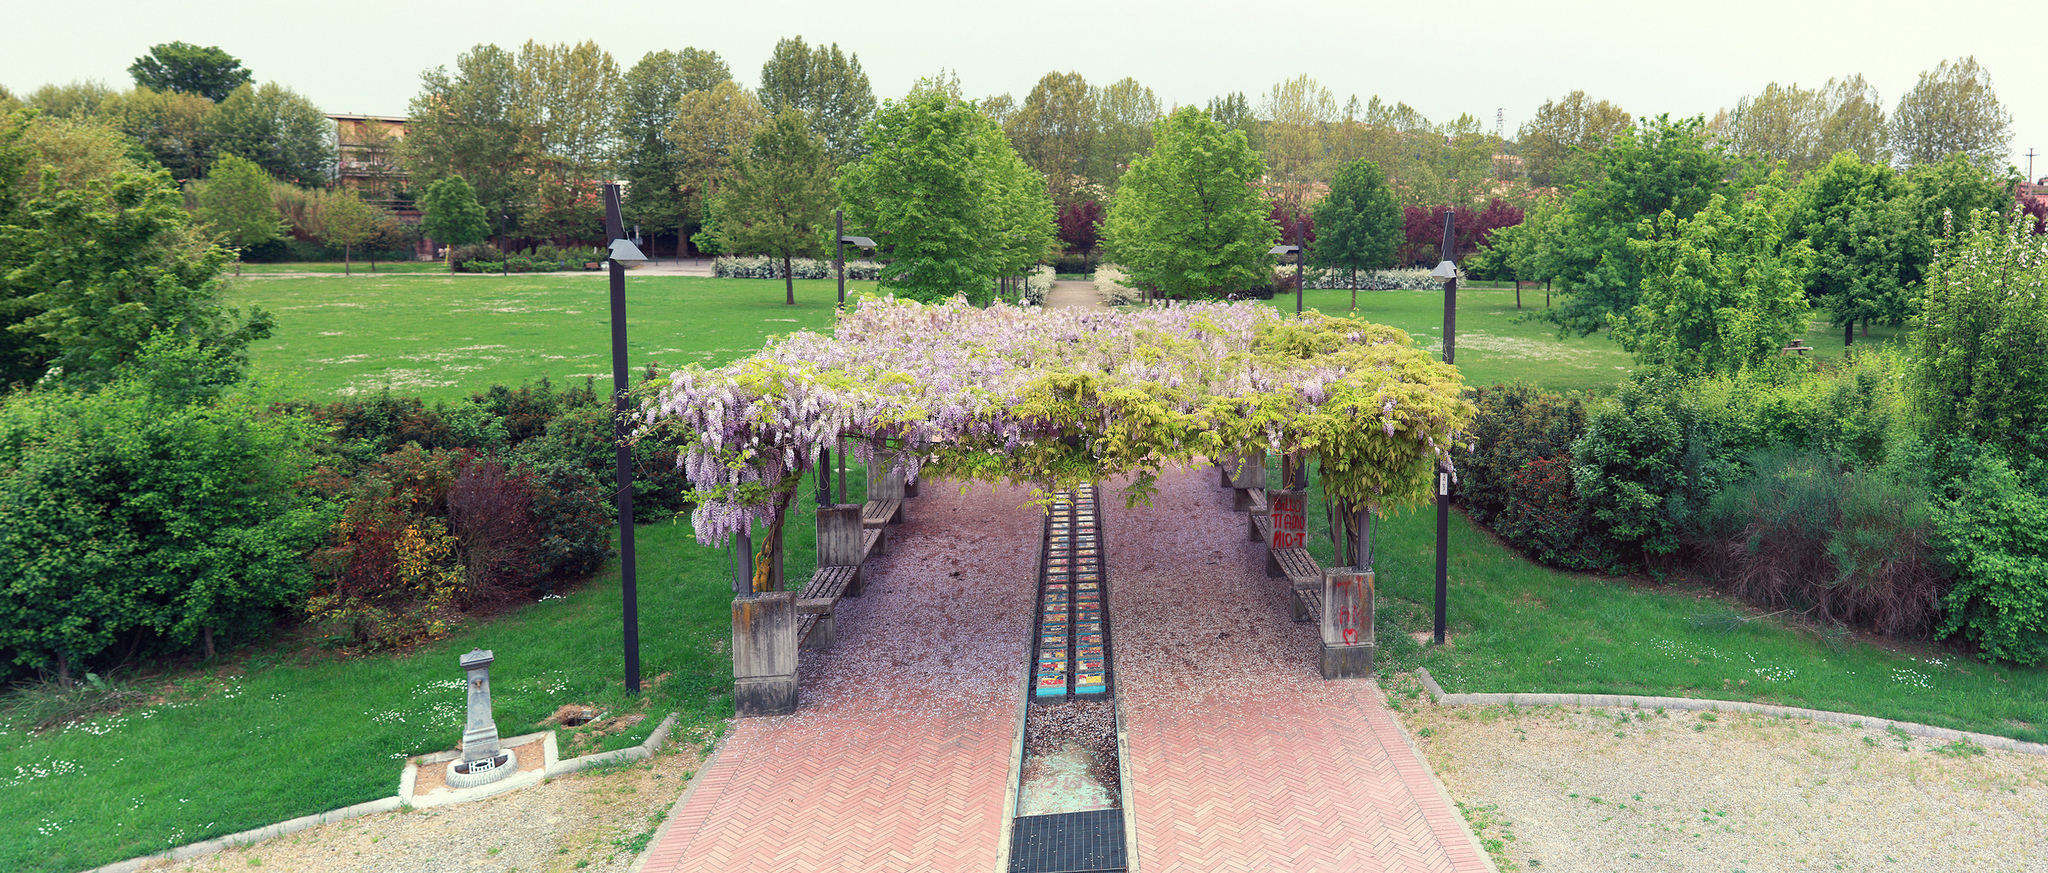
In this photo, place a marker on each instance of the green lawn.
(1517, 626)
(443, 336)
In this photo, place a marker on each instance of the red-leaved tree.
(1081, 226)
(1424, 229)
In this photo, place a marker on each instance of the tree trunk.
(1848, 333)
(788, 280)
(206, 635)
(345, 265)
(1354, 289)
(63, 671)
(1518, 293)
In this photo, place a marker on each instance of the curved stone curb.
(1931, 732)
(386, 804)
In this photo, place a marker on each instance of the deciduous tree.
(450, 215)
(827, 85)
(1857, 220)
(280, 130)
(475, 124)
(1952, 110)
(648, 162)
(236, 204)
(1803, 128)
(348, 222)
(1358, 225)
(1055, 131)
(189, 69)
(1189, 219)
(1127, 112)
(1563, 129)
(942, 189)
(1722, 291)
(780, 200)
(711, 129)
(1980, 355)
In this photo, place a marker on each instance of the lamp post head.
(1444, 270)
(861, 241)
(1283, 250)
(625, 252)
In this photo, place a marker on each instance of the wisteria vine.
(1058, 397)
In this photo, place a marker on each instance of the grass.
(280, 732)
(442, 336)
(1516, 626)
(1499, 343)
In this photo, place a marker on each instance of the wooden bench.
(1245, 475)
(886, 493)
(816, 605)
(1308, 604)
(877, 513)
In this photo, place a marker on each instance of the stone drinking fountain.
(482, 762)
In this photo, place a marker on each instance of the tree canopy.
(780, 200)
(189, 69)
(1951, 110)
(1189, 219)
(280, 130)
(943, 191)
(650, 166)
(450, 215)
(1359, 224)
(827, 86)
(1554, 144)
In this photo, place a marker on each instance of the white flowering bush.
(1059, 397)
(1369, 280)
(1038, 283)
(765, 267)
(1114, 286)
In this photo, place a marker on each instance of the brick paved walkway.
(1240, 757)
(899, 755)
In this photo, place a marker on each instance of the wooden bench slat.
(876, 513)
(824, 590)
(1299, 567)
(1265, 525)
(871, 542)
(1311, 604)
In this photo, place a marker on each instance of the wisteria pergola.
(1054, 398)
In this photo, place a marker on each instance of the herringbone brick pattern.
(899, 757)
(1240, 756)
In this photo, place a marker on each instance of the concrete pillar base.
(1347, 662)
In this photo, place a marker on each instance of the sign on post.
(1289, 515)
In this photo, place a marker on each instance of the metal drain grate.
(1070, 842)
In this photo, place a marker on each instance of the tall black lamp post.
(1447, 270)
(623, 251)
(1296, 252)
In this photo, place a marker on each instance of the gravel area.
(589, 821)
(1572, 788)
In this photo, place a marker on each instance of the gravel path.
(1570, 788)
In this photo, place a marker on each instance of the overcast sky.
(1478, 57)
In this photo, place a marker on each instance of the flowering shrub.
(1114, 286)
(1038, 284)
(1059, 397)
(764, 267)
(1368, 280)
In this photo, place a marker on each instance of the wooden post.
(1249, 474)
(1347, 623)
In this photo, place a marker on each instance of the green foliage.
(1980, 358)
(450, 213)
(828, 87)
(1855, 410)
(1856, 218)
(1722, 292)
(474, 124)
(1188, 218)
(649, 166)
(1518, 480)
(179, 66)
(1560, 144)
(113, 262)
(1994, 536)
(1358, 224)
(349, 222)
(1843, 545)
(1647, 465)
(284, 132)
(780, 200)
(944, 192)
(136, 516)
(1664, 166)
(1952, 110)
(236, 204)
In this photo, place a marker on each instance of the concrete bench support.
(764, 653)
(1347, 603)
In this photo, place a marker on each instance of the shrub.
(519, 264)
(1856, 411)
(391, 564)
(490, 512)
(1071, 264)
(1544, 519)
(1842, 545)
(1038, 283)
(1369, 280)
(1980, 356)
(1515, 424)
(763, 267)
(1646, 467)
(132, 520)
(1994, 534)
(1112, 284)
(460, 257)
